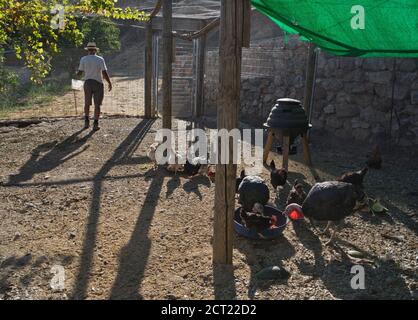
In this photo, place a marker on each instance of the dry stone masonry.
(353, 96)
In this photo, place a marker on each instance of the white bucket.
(77, 84)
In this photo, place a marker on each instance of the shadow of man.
(57, 154)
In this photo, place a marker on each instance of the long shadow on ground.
(123, 150)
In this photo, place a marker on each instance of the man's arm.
(107, 78)
(79, 74)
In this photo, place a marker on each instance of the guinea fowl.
(297, 194)
(375, 159)
(330, 201)
(355, 178)
(253, 190)
(278, 177)
(256, 220)
(239, 180)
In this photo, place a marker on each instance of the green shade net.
(368, 28)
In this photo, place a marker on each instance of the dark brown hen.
(375, 159)
(297, 194)
(355, 178)
(278, 177)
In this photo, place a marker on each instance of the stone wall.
(353, 96)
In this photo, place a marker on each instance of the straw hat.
(91, 46)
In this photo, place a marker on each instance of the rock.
(355, 254)
(347, 110)
(372, 64)
(334, 123)
(407, 65)
(381, 77)
(273, 273)
(329, 109)
(72, 234)
(17, 236)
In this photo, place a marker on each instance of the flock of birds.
(329, 201)
(197, 166)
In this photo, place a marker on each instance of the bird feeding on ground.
(330, 201)
(256, 219)
(297, 194)
(375, 159)
(194, 166)
(278, 177)
(174, 160)
(253, 190)
(356, 178)
(151, 153)
(239, 180)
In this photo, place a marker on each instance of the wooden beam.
(310, 79)
(269, 143)
(230, 55)
(148, 73)
(167, 62)
(155, 73)
(285, 151)
(200, 76)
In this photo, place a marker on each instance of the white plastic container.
(77, 85)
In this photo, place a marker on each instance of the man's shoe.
(86, 124)
(96, 126)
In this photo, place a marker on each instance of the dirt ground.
(92, 203)
(126, 98)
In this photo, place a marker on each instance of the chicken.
(278, 177)
(174, 162)
(256, 220)
(253, 190)
(151, 153)
(375, 159)
(355, 178)
(211, 173)
(239, 180)
(195, 167)
(297, 194)
(327, 201)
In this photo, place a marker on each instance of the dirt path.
(127, 98)
(92, 204)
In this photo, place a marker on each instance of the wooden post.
(167, 62)
(310, 78)
(268, 145)
(230, 49)
(285, 151)
(148, 72)
(306, 150)
(200, 69)
(155, 73)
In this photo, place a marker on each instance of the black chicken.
(191, 169)
(297, 194)
(355, 178)
(330, 201)
(278, 177)
(196, 166)
(253, 190)
(239, 180)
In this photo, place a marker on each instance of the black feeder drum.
(286, 121)
(287, 117)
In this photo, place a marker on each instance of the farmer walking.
(94, 69)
